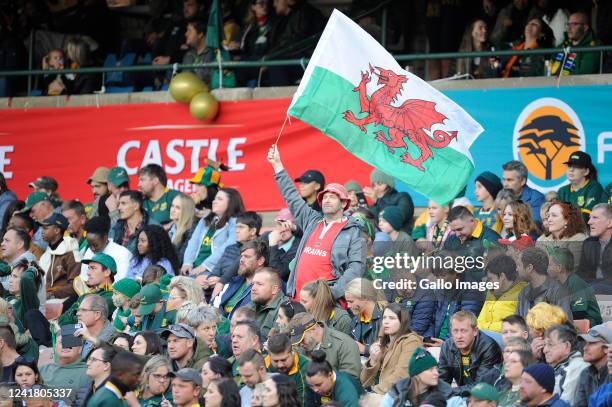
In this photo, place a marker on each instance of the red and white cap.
(337, 189)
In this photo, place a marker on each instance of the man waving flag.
(355, 92)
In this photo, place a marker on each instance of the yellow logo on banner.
(545, 134)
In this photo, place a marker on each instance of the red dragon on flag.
(412, 119)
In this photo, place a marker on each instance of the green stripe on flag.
(322, 105)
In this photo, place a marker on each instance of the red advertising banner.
(69, 143)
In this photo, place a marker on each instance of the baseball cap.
(337, 189)
(312, 176)
(180, 330)
(150, 295)
(484, 392)
(599, 333)
(56, 219)
(99, 175)
(44, 182)
(189, 375)
(103, 259)
(34, 198)
(118, 176)
(299, 324)
(206, 176)
(579, 159)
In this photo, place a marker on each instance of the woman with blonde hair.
(389, 356)
(318, 299)
(539, 318)
(154, 384)
(78, 53)
(366, 304)
(182, 221)
(184, 290)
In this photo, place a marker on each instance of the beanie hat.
(394, 216)
(543, 374)
(352, 186)
(491, 182)
(420, 361)
(382, 178)
(127, 287)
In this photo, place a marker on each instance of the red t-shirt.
(315, 260)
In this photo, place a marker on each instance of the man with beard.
(99, 188)
(283, 359)
(126, 368)
(102, 269)
(341, 350)
(266, 298)
(332, 247)
(253, 256)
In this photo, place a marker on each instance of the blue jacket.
(555, 401)
(222, 238)
(451, 301)
(422, 308)
(233, 286)
(6, 198)
(535, 199)
(227, 266)
(602, 397)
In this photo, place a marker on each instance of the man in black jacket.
(596, 258)
(596, 343)
(468, 354)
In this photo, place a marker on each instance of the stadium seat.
(119, 89)
(112, 61)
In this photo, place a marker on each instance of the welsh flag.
(356, 93)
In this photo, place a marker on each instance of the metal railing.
(301, 61)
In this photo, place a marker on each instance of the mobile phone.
(427, 339)
(361, 198)
(68, 338)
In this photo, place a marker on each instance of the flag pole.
(281, 130)
(220, 68)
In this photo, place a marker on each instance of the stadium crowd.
(74, 34)
(149, 297)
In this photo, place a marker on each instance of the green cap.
(150, 295)
(103, 259)
(127, 287)
(34, 198)
(420, 361)
(484, 392)
(118, 176)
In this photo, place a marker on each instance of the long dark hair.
(404, 319)
(235, 206)
(286, 390)
(318, 364)
(229, 390)
(160, 247)
(154, 346)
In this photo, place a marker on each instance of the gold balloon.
(204, 106)
(185, 85)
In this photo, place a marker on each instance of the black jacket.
(591, 258)
(399, 392)
(590, 380)
(367, 332)
(280, 259)
(400, 199)
(485, 355)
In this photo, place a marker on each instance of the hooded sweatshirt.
(61, 267)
